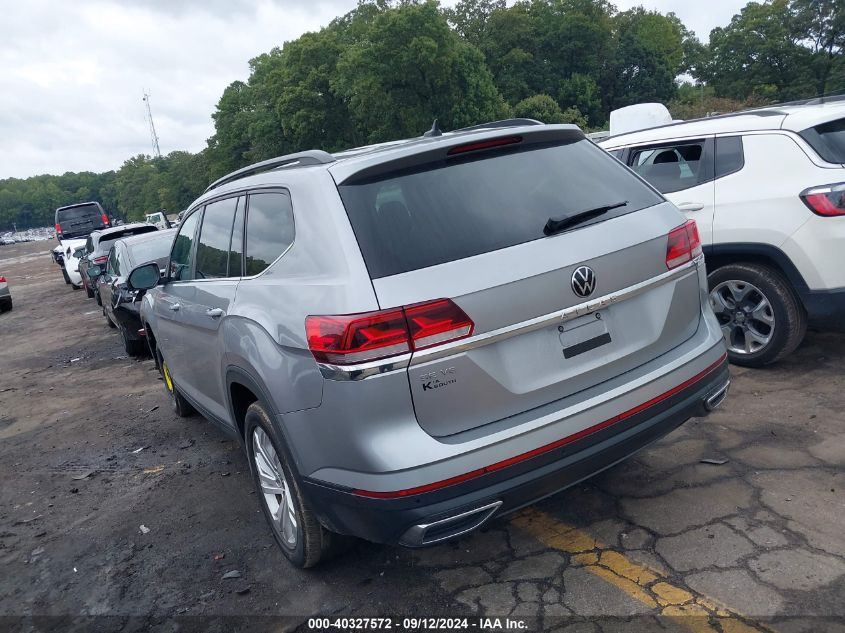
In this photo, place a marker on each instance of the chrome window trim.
(396, 363)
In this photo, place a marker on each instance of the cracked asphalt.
(662, 541)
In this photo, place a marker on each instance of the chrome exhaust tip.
(450, 527)
(712, 402)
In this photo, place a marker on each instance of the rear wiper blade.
(556, 225)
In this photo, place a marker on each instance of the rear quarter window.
(432, 215)
(828, 140)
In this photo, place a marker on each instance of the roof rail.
(310, 157)
(502, 123)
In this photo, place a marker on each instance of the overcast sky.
(72, 73)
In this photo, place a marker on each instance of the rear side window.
(672, 167)
(215, 235)
(181, 257)
(483, 203)
(828, 139)
(729, 156)
(269, 229)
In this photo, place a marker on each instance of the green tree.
(545, 109)
(411, 69)
(649, 56)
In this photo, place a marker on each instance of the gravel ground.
(90, 452)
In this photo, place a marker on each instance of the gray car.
(412, 338)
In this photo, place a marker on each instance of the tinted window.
(671, 167)
(215, 235)
(729, 157)
(269, 229)
(430, 216)
(236, 250)
(181, 255)
(84, 212)
(616, 153)
(828, 139)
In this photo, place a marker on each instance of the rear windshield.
(417, 219)
(87, 211)
(828, 139)
(150, 250)
(106, 241)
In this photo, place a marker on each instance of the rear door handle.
(691, 206)
(175, 307)
(214, 312)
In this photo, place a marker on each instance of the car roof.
(794, 117)
(397, 154)
(79, 204)
(132, 240)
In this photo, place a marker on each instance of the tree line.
(387, 69)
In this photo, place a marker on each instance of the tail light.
(105, 219)
(2, 279)
(828, 200)
(58, 229)
(684, 244)
(357, 338)
(101, 260)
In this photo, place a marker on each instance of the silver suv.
(412, 338)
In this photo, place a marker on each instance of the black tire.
(181, 407)
(790, 320)
(64, 274)
(5, 306)
(89, 292)
(314, 543)
(133, 347)
(97, 297)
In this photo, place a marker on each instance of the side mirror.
(94, 271)
(144, 277)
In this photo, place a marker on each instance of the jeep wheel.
(302, 539)
(759, 314)
(181, 407)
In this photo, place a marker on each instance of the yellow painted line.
(698, 613)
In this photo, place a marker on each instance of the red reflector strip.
(437, 485)
(495, 142)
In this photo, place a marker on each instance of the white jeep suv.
(767, 190)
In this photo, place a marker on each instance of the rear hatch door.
(81, 220)
(471, 230)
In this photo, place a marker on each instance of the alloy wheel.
(745, 315)
(274, 487)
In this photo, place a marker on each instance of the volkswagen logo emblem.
(583, 281)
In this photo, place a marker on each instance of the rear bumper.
(428, 517)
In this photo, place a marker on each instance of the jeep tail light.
(684, 244)
(827, 201)
(359, 338)
(105, 219)
(58, 229)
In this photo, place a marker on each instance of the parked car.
(159, 219)
(74, 251)
(767, 190)
(5, 295)
(410, 339)
(98, 245)
(120, 303)
(78, 220)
